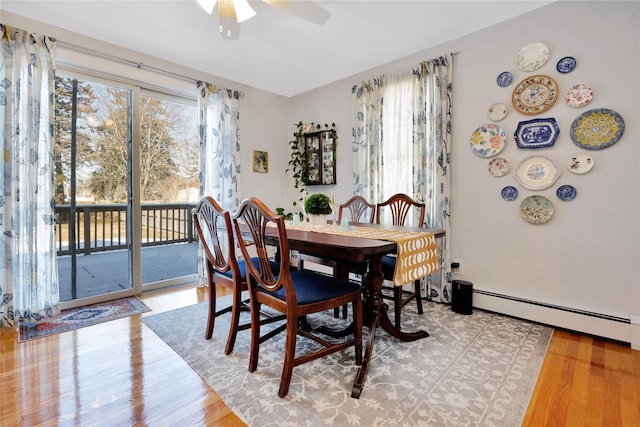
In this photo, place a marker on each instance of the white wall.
(586, 257)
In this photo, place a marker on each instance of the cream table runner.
(417, 255)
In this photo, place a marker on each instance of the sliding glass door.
(92, 165)
(126, 182)
(169, 165)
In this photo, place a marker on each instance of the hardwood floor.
(120, 373)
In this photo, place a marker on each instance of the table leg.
(377, 311)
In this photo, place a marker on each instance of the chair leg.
(289, 356)
(336, 312)
(397, 304)
(418, 296)
(255, 335)
(236, 306)
(212, 311)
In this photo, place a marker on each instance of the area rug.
(476, 370)
(81, 317)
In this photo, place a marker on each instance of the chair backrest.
(252, 219)
(358, 207)
(400, 205)
(213, 225)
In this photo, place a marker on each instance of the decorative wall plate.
(504, 79)
(488, 140)
(498, 167)
(566, 193)
(580, 163)
(509, 193)
(537, 173)
(535, 94)
(537, 133)
(497, 112)
(532, 56)
(596, 129)
(536, 209)
(578, 96)
(566, 64)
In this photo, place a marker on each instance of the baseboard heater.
(555, 307)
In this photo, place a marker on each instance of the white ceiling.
(276, 51)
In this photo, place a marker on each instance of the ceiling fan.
(232, 12)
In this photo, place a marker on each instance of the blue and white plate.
(566, 192)
(566, 64)
(504, 79)
(537, 133)
(509, 193)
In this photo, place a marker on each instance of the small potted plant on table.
(318, 206)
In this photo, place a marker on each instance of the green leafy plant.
(298, 165)
(318, 204)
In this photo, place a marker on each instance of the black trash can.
(462, 297)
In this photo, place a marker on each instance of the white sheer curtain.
(402, 135)
(218, 124)
(28, 268)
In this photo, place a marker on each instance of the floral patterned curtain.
(432, 132)
(430, 140)
(218, 118)
(367, 104)
(28, 270)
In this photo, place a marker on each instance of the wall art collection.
(593, 129)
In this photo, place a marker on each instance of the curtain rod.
(138, 65)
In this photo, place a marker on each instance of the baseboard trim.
(597, 324)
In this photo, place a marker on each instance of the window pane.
(168, 185)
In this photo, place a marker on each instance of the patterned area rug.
(476, 370)
(81, 317)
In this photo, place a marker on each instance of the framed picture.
(260, 161)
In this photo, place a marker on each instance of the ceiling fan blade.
(306, 10)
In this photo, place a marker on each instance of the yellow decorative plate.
(535, 94)
(596, 129)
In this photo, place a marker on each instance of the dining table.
(344, 248)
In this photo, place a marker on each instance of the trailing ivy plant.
(298, 165)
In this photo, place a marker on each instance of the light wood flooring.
(120, 373)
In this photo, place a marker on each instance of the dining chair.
(295, 293)
(215, 232)
(399, 206)
(359, 210)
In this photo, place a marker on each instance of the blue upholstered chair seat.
(388, 265)
(313, 287)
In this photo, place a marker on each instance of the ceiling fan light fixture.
(243, 10)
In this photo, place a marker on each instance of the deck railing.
(104, 227)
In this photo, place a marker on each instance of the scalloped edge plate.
(537, 172)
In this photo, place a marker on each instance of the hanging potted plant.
(318, 206)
